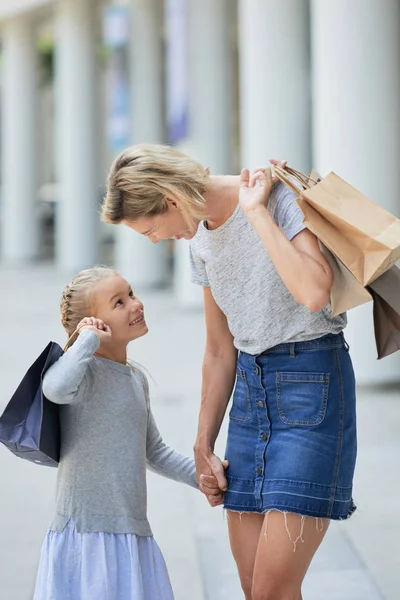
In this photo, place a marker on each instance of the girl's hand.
(255, 187)
(100, 328)
(209, 487)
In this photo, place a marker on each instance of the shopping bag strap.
(288, 174)
(71, 339)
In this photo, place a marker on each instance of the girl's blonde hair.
(143, 176)
(76, 300)
(76, 304)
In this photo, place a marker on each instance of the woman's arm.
(300, 263)
(219, 370)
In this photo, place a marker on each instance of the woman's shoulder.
(281, 196)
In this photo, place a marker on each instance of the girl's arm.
(165, 460)
(300, 263)
(66, 377)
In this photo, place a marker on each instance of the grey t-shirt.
(108, 435)
(233, 262)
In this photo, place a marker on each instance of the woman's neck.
(221, 199)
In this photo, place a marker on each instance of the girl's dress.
(100, 545)
(80, 566)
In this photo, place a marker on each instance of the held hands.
(209, 486)
(211, 476)
(100, 328)
(255, 187)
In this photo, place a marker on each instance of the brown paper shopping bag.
(386, 294)
(363, 235)
(346, 292)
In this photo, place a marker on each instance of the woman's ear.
(171, 203)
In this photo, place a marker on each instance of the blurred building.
(232, 82)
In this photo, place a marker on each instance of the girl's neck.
(116, 353)
(221, 199)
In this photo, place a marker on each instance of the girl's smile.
(139, 321)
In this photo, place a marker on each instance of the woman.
(292, 428)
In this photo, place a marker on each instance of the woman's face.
(168, 225)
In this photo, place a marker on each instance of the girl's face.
(168, 225)
(114, 302)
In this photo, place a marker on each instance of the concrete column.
(78, 203)
(210, 84)
(143, 263)
(356, 91)
(210, 108)
(274, 82)
(19, 227)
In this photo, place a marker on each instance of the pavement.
(359, 559)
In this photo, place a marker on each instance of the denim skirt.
(292, 441)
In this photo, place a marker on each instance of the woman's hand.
(101, 329)
(255, 187)
(279, 163)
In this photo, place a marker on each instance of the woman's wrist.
(257, 214)
(203, 446)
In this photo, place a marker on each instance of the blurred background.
(233, 83)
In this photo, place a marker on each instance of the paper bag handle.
(287, 174)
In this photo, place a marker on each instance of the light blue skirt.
(101, 566)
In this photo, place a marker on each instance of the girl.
(270, 333)
(100, 545)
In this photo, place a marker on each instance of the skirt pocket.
(302, 397)
(241, 405)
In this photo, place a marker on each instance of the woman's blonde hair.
(143, 176)
(76, 301)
